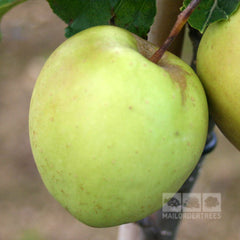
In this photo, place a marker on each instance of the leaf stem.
(181, 21)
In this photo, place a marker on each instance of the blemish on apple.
(178, 75)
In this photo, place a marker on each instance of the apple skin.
(110, 130)
(218, 67)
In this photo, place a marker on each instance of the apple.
(218, 66)
(112, 131)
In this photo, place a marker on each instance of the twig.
(181, 21)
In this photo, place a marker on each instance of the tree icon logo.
(211, 202)
(171, 202)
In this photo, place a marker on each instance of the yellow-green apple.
(218, 66)
(112, 131)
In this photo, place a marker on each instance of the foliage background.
(27, 212)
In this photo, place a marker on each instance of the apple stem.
(179, 24)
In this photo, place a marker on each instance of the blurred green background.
(27, 212)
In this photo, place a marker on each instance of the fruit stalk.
(163, 23)
(181, 21)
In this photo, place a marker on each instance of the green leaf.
(209, 11)
(135, 15)
(6, 5)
